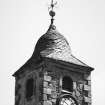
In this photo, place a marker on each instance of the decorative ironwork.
(51, 12)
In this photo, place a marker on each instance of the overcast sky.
(22, 22)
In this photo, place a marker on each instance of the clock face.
(68, 100)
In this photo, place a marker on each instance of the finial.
(51, 12)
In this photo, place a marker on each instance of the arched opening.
(67, 84)
(29, 88)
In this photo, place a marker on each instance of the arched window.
(29, 88)
(67, 84)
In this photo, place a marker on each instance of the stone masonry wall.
(50, 88)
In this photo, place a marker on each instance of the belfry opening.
(67, 84)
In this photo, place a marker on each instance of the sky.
(22, 22)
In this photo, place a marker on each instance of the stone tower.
(52, 75)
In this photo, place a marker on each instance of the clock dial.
(68, 101)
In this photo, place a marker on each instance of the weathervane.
(51, 12)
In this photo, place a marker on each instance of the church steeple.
(52, 75)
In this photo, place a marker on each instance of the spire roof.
(54, 45)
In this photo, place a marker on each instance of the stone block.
(74, 85)
(44, 97)
(47, 103)
(80, 86)
(47, 78)
(87, 99)
(89, 93)
(47, 90)
(45, 84)
(54, 94)
(53, 88)
(50, 85)
(87, 87)
(89, 82)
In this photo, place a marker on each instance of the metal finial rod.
(51, 12)
(52, 4)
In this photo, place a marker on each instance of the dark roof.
(53, 45)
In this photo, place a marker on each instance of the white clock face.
(67, 101)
